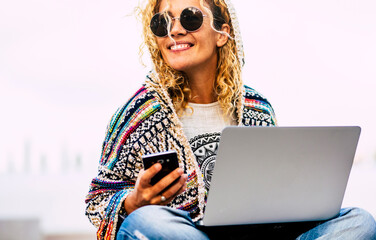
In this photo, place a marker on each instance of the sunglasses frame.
(176, 18)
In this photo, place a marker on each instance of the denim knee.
(363, 222)
(351, 223)
(159, 222)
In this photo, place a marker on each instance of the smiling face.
(189, 51)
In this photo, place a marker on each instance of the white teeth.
(180, 46)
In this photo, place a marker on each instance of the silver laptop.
(280, 174)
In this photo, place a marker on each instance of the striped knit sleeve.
(257, 110)
(110, 188)
(104, 202)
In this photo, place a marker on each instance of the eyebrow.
(169, 13)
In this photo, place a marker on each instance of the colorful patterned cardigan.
(148, 123)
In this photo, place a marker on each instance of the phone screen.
(168, 160)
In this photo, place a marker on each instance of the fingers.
(184, 187)
(174, 190)
(147, 194)
(147, 175)
(168, 180)
(143, 193)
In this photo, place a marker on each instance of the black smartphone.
(168, 160)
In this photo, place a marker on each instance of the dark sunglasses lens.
(158, 25)
(191, 19)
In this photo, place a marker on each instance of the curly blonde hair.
(228, 83)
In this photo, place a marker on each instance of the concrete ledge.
(70, 237)
(16, 229)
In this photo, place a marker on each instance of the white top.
(206, 118)
(203, 129)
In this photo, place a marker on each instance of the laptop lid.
(280, 174)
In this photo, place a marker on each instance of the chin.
(178, 62)
(179, 67)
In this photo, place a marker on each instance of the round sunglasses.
(191, 19)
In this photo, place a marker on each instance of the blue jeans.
(158, 222)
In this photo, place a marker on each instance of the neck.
(202, 88)
(201, 83)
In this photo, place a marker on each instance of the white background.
(65, 67)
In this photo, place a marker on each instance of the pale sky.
(65, 66)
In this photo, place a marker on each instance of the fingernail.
(158, 166)
(180, 171)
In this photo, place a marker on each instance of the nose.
(176, 27)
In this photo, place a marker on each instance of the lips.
(180, 46)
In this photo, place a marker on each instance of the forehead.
(176, 6)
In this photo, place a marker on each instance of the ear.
(222, 38)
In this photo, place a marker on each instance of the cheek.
(161, 49)
(159, 43)
(209, 39)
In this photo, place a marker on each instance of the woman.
(193, 92)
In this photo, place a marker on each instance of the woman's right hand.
(146, 194)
